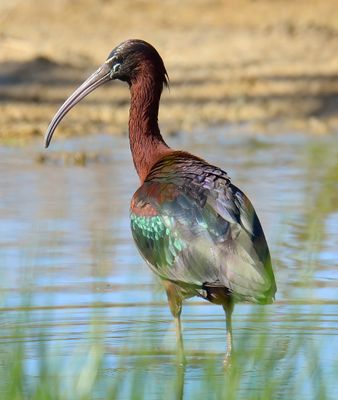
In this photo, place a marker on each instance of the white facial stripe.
(110, 60)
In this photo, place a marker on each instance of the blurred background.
(269, 63)
(253, 90)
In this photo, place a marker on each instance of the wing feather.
(205, 237)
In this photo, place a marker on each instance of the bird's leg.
(175, 304)
(178, 329)
(228, 308)
(180, 377)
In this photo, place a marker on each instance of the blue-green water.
(70, 273)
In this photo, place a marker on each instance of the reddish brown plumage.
(146, 142)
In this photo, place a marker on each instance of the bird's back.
(196, 229)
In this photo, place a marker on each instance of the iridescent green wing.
(170, 233)
(200, 230)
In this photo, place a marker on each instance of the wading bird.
(196, 230)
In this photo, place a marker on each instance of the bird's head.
(127, 62)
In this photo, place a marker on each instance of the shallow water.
(70, 273)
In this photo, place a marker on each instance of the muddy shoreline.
(277, 71)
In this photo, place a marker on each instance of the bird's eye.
(116, 67)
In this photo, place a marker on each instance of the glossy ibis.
(196, 230)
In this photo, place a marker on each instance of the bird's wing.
(203, 234)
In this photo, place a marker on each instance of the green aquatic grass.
(263, 367)
(258, 364)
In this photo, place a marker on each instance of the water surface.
(70, 273)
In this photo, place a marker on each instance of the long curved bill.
(97, 79)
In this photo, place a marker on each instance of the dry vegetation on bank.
(272, 64)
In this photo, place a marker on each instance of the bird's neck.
(146, 143)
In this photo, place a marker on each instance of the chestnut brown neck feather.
(146, 143)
